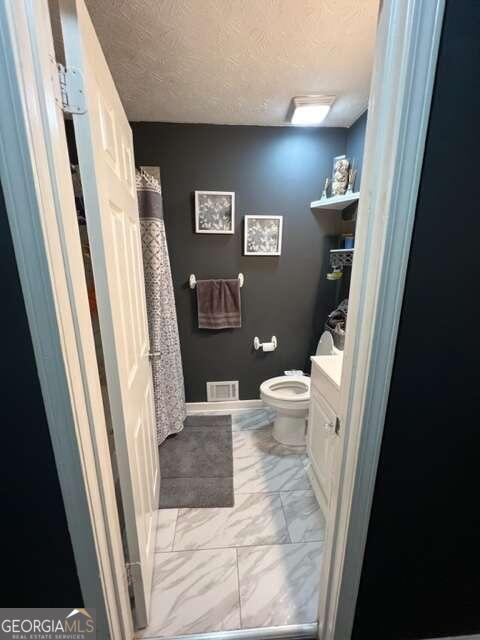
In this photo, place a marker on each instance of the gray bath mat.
(196, 465)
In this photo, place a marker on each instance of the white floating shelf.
(336, 202)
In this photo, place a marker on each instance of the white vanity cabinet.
(322, 436)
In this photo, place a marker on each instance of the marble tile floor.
(255, 564)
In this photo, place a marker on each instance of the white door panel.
(105, 152)
(322, 442)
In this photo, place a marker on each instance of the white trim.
(406, 54)
(364, 109)
(476, 636)
(197, 211)
(39, 197)
(232, 405)
(289, 632)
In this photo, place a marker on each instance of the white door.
(105, 153)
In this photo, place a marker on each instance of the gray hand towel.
(219, 304)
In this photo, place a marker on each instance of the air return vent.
(222, 391)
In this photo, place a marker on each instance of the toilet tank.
(325, 345)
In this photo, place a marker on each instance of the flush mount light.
(309, 111)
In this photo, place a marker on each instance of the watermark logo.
(47, 624)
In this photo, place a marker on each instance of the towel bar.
(192, 281)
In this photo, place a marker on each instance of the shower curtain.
(169, 393)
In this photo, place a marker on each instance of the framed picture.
(263, 235)
(214, 212)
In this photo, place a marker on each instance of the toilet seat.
(290, 397)
(288, 391)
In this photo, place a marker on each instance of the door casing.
(406, 53)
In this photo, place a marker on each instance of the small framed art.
(263, 235)
(214, 212)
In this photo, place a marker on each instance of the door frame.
(406, 53)
(35, 176)
(407, 47)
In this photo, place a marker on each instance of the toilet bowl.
(290, 397)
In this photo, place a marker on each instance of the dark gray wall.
(276, 170)
(421, 572)
(355, 145)
(38, 567)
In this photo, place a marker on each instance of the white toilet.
(289, 395)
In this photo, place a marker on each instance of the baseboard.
(231, 405)
(290, 632)
(476, 636)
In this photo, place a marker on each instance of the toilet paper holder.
(265, 346)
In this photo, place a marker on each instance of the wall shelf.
(337, 203)
(341, 257)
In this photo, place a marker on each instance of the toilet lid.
(291, 388)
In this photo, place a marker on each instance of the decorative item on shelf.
(214, 212)
(335, 274)
(352, 174)
(263, 235)
(325, 188)
(336, 324)
(341, 166)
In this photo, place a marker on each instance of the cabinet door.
(322, 443)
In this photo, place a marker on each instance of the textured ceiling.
(236, 61)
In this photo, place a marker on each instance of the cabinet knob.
(329, 426)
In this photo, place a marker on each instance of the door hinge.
(72, 93)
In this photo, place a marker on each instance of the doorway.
(407, 225)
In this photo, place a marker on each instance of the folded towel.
(219, 304)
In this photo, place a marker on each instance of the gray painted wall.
(421, 571)
(277, 170)
(355, 145)
(38, 566)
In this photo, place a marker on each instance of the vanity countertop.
(331, 366)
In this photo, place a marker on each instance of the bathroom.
(198, 460)
(247, 220)
(207, 546)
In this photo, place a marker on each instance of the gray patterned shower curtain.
(166, 360)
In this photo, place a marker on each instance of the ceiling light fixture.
(310, 111)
